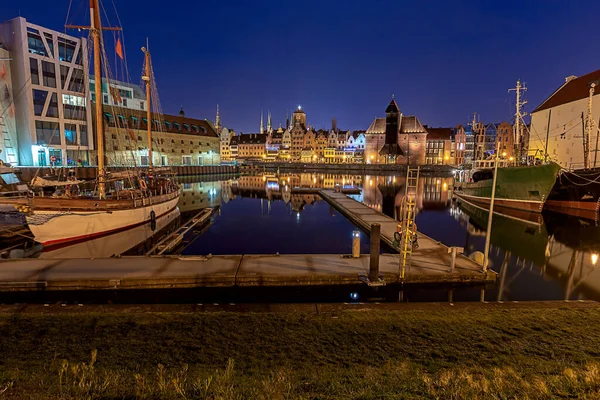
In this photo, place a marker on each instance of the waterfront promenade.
(172, 272)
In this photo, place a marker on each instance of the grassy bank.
(483, 352)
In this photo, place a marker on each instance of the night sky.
(442, 60)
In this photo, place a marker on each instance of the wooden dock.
(430, 254)
(168, 272)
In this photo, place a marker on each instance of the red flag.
(119, 48)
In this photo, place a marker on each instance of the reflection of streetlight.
(594, 258)
(503, 154)
(511, 158)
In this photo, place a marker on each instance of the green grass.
(448, 353)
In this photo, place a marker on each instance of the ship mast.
(518, 118)
(96, 30)
(589, 125)
(146, 79)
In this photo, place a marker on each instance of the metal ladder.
(408, 218)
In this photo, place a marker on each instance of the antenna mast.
(518, 119)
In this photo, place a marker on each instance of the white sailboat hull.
(53, 227)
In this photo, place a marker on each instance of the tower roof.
(392, 107)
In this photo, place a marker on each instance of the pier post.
(374, 258)
(355, 244)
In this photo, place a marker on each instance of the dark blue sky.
(443, 60)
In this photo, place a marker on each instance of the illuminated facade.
(177, 140)
(411, 138)
(52, 114)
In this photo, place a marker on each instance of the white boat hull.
(52, 227)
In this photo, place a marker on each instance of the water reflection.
(538, 257)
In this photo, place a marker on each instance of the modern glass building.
(52, 110)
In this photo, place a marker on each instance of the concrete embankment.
(359, 169)
(28, 173)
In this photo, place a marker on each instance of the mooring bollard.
(355, 244)
(375, 246)
(453, 251)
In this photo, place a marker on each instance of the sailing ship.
(521, 187)
(577, 192)
(119, 200)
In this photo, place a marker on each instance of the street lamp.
(503, 154)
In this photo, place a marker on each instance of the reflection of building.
(410, 137)
(49, 72)
(198, 195)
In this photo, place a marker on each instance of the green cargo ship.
(521, 188)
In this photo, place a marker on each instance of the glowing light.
(288, 178)
(445, 186)
(503, 154)
(371, 182)
(594, 258)
(372, 156)
(511, 158)
(438, 181)
(314, 180)
(264, 178)
(354, 296)
(394, 180)
(355, 234)
(446, 158)
(299, 107)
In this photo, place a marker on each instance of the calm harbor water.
(538, 257)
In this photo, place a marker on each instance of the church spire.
(262, 127)
(218, 121)
(269, 125)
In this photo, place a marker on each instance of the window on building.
(167, 124)
(76, 84)
(105, 98)
(70, 134)
(47, 132)
(186, 160)
(35, 73)
(139, 138)
(176, 125)
(64, 72)
(39, 101)
(35, 44)
(109, 118)
(66, 49)
(144, 160)
(56, 153)
(83, 137)
(141, 105)
(50, 42)
(49, 74)
(124, 102)
(186, 127)
(53, 106)
(114, 136)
